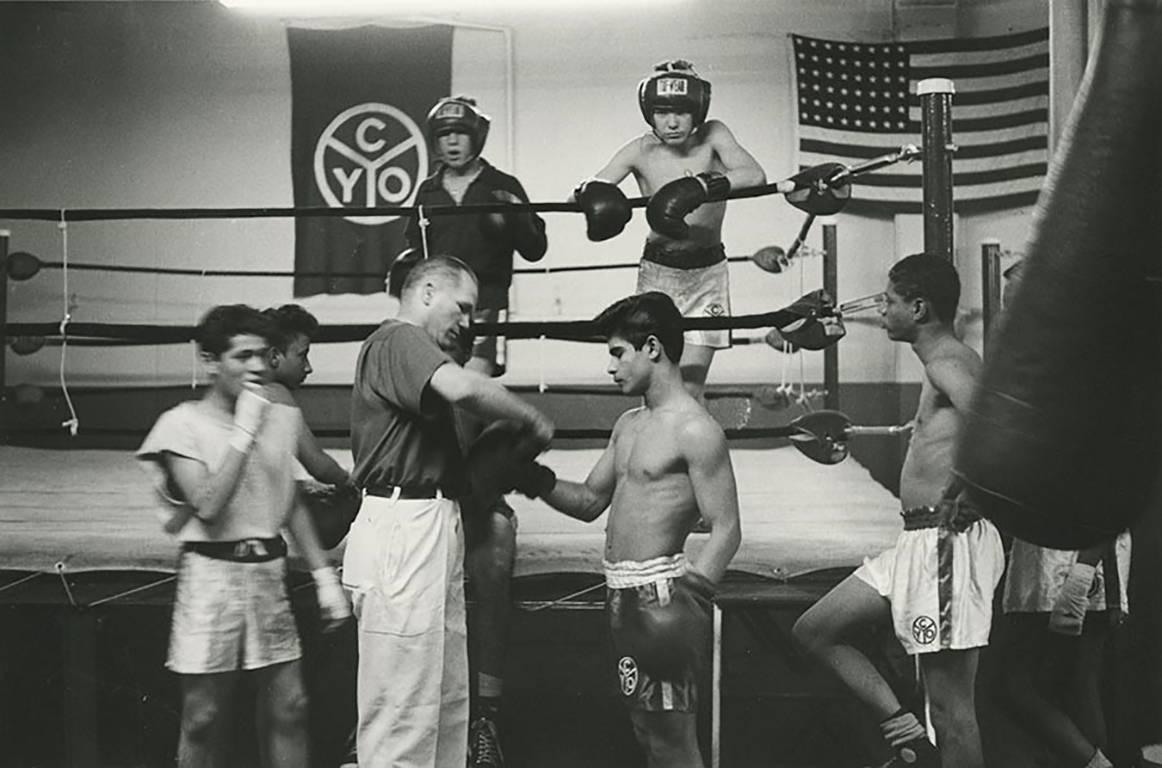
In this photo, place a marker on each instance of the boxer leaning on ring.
(224, 466)
(936, 585)
(687, 165)
(666, 463)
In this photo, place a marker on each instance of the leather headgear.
(675, 84)
(459, 113)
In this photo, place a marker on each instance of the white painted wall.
(188, 104)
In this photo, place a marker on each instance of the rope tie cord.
(73, 424)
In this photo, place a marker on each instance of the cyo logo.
(370, 154)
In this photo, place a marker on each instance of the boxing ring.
(81, 536)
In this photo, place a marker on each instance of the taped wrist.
(716, 184)
(325, 577)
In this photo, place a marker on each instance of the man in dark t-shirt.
(403, 561)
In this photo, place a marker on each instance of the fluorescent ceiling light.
(380, 7)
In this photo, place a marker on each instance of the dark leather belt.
(405, 492)
(240, 551)
(957, 517)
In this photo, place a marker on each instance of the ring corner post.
(990, 270)
(936, 130)
(831, 285)
(4, 237)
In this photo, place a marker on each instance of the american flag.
(858, 100)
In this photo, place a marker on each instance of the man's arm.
(317, 463)
(484, 398)
(586, 501)
(741, 168)
(712, 477)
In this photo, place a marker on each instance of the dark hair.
(222, 323)
(636, 318)
(289, 321)
(928, 277)
(439, 268)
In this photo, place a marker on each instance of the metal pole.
(936, 127)
(831, 285)
(990, 270)
(4, 236)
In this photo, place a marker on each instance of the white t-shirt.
(265, 494)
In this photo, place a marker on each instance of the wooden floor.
(94, 510)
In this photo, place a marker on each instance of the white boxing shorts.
(697, 291)
(940, 584)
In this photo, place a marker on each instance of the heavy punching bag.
(1061, 444)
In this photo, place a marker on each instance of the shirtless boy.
(666, 464)
(687, 165)
(936, 585)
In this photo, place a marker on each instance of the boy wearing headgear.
(457, 131)
(686, 164)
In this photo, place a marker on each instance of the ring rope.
(202, 272)
(906, 153)
(564, 330)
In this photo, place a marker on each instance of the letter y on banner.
(359, 98)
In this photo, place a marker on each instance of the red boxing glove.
(667, 209)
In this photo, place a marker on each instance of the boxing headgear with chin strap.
(677, 86)
(459, 113)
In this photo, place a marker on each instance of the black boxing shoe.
(484, 744)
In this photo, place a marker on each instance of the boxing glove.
(667, 209)
(671, 641)
(332, 509)
(534, 480)
(499, 460)
(814, 192)
(1068, 614)
(605, 207)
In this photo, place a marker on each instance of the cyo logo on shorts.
(715, 310)
(924, 630)
(627, 673)
(370, 154)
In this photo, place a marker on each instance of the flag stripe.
(963, 151)
(972, 111)
(1012, 93)
(883, 143)
(957, 71)
(918, 59)
(999, 42)
(980, 177)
